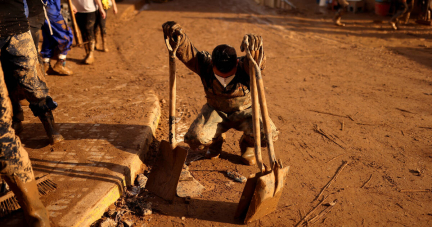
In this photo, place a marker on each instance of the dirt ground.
(369, 89)
(366, 87)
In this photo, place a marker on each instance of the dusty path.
(375, 82)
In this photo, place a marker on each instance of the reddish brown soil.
(375, 82)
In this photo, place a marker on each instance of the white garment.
(225, 81)
(85, 6)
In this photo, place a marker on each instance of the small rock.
(134, 191)
(183, 218)
(142, 180)
(236, 176)
(146, 209)
(108, 223)
(163, 101)
(128, 223)
(86, 89)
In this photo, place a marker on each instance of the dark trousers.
(36, 23)
(100, 23)
(86, 23)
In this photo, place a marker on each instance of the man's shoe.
(27, 195)
(248, 156)
(104, 43)
(393, 25)
(51, 130)
(90, 57)
(61, 69)
(337, 21)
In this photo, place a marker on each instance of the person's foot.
(61, 69)
(51, 129)
(248, 157)
(90, 57)
(393, 25)
(338, 22)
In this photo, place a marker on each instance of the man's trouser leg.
(207, 132)
(401, 9)
(343, 7)
(20, 64)
(15, 166)
(243, 121)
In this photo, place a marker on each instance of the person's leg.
(102, 25)
(81, 19)
(244, 123)
(15, 166)
(48, 46)
(20, 55)
(343, 6)
(90, 23)
(410, 7)
(63, 37)
(401, 9)
(207, 132)
(36, 23)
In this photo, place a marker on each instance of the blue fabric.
(62, 35)
(26, 10)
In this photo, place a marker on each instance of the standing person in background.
(60, 40)
(85, 15)
(343, 7)
(101, 22)
(403, 9)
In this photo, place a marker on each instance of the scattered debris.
(416, 172)
(328, 136)
(337, 115)
(366, 182)
(141, 180)
(134, 191)
(128, 223)
(406, 111)
(188, 186)
(236, 176)
(344, 164)
(324, 212)
(310, 212)
(147, 209)
(108, 223)
(416, 190)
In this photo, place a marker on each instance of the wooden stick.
(416, 190)
(366, 182)
(334, 158)
(333, 179)
(337, 115)
(320, 131)
(310, 212)
(324, 212)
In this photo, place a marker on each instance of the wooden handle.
(172, 84)
(255, 118)
(77, 33)
(263, 105)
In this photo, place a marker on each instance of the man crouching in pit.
(227, 87)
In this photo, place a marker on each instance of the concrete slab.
(92, 165)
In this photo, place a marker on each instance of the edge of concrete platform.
(109, 193)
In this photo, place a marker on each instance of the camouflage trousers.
(210, 124)
(20, 65)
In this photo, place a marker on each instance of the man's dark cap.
(224, 57)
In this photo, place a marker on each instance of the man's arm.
(254, 46)
(100, 8)
(186, 52)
